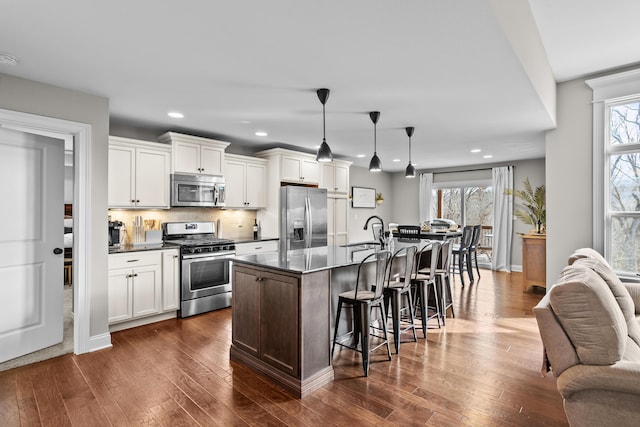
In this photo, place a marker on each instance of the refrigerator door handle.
(310, 223)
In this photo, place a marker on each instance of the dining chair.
(473, 249)
(460, 254)
(364, 297)
(398, 290)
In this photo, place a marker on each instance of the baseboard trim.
(99, 342)
(142, 321)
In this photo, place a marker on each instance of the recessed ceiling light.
(396, 160)
(487, 156)
(476, 150)
(261, 133)
(360, 155)
(175, 115)
(7, 59)
(316, 147)
(244, 122)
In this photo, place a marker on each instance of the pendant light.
(324, 152)
(411, 170)
(375, 165)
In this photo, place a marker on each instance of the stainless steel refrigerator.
(303, 217)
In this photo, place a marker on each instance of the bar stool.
(363, 301)
(443, 281)
(396, 289)
(423, 280)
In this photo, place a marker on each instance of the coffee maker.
(116, 232)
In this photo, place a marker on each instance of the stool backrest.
(381, 260)
(428, 257)
(445, 256)
(409, 259)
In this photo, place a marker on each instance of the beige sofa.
(589, 322)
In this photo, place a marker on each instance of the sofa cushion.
(590, 316)
(586, 253)
(620, 292)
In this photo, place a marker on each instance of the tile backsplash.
(234, 224)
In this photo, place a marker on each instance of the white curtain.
(502, 218)
(426, 187)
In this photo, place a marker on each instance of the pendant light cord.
(375, 141)
(409, 150)
(323, 126)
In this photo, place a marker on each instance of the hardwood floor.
(482, 369)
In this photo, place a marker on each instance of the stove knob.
(197, 250)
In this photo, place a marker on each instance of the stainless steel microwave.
(197, 190)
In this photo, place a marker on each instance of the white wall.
(27, 96)
(569, 177)
(381, 181)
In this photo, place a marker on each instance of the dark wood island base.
(283, 310)
(280, 326)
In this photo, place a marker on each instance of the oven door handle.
(206, 257)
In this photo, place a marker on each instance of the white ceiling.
(236, 67)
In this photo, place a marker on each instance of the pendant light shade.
(410, 172)
(324, 152)
(375, 165)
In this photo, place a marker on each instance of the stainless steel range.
(205, 266)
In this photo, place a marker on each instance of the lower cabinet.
(142, 284)
(265, 317)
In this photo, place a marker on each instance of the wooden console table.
(534, 261)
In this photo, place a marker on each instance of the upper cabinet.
(195, 155)
(245, 180)
(293, 166)
(334, 176)
(138, 174)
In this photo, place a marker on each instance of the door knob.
(57, 251)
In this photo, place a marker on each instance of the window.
(464, 205)
(622, 188)
(616, 169)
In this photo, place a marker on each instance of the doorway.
(81, 135)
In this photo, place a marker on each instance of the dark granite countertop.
(320, 258)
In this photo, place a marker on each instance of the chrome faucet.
(381, 235)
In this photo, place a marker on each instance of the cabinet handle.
(259, 279)
(135, 275)
(258, 247)
(133, 201)
(137, 201)
(133, 260)
(175, 256)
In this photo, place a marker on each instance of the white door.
(31, 229)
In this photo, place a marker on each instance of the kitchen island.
(283, 309)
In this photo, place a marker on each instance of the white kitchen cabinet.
(195, 155)
(138, 174)
(134, 285)
(334, 176)
(258, 247)
(337, 214)
(170, 280)
(245, 181)
(291, 166)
